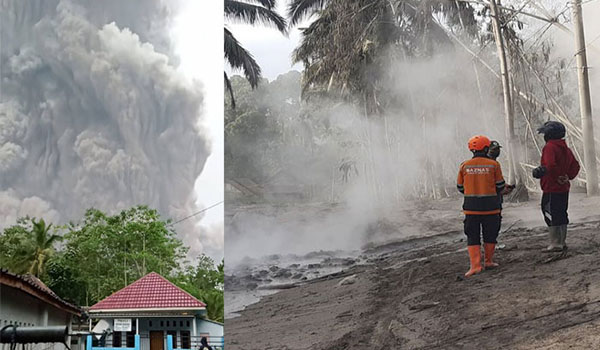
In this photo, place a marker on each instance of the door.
(156, 340)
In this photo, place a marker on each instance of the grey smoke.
(425, 139)
(94, 114)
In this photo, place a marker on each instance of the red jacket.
(558, 160)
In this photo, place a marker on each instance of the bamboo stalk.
(513, 176)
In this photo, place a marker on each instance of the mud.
(411, 294)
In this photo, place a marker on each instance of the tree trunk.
(515, 173)
(508, 106)
(589, 151)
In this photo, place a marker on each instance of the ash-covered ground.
(404, 288)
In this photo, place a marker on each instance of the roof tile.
(151, 291)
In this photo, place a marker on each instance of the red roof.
(149, 292)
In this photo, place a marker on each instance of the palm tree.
(251, 12)
(301, 9)
(37, 248)
(352, 42)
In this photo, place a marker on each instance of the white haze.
(425, 138)
(565, 48)
(443, 107)
(93, 112)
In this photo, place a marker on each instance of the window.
(188, 323)
(162, 323)
(185, 340)
(150, 323)
(168, 323)
(117, 340)
(180, 323)
(174, 335)
(131, 335)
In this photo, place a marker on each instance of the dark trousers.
(554, 208)
(476, 224)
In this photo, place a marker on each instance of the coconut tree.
(351, 43)
(37, 248)
(351, 47)
(251, 12)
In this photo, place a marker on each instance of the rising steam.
(416, 150)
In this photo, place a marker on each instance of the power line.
(196, 213)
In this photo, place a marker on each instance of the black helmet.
(494, 150)
(552, 130)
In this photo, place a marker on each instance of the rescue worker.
(480, 180)
(558, 166)
(494, 151)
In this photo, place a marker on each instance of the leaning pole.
(585, 104)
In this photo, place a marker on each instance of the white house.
(153, 308)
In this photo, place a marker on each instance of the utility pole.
(514, 177)
(585, 104)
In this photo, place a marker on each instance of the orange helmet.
(478, 143)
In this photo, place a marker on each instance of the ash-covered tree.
(349, 53)
(349, 47)
(254, 130)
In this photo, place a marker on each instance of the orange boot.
(475, 256)
(489, 254)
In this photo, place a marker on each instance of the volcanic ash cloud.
(92, 114)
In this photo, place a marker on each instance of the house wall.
(212, 328)
(163, 324)
(23, 310)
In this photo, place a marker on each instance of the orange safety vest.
(480, 179)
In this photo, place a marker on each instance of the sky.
(271, 49)
(198, 41)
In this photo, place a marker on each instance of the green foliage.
(66, 279)
(205, 281)
(110, 252)
(27, 246)
(104, 253)
(215, 304)
(11, 242)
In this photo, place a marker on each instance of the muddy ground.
(411, 294)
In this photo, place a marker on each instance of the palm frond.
(52, 239)
(254, 14)
(240, 58)
(229, 89)
(266, 3)
(301, 9)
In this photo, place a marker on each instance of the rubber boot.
(563, 236)
(554, 236)
(489, 249)
(475, 257)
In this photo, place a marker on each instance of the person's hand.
(563, 179)
(507, 189)
(539, 172)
